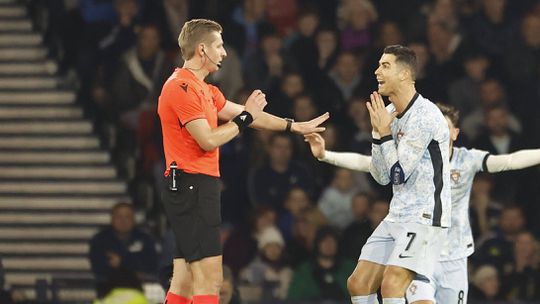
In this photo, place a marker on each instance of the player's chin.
(382, 91)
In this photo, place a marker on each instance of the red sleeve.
(185, 102)
(219, 99)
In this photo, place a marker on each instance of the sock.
(206, 299)
(370, 299)
(172, 298)
(393, 300)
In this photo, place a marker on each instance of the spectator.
(346, 80)
(324, 275)
(524, 81)
(122, 246)
(282, 95)
(122, 35)
(247, 22)
(108, 30)
(359, 117)
(522, 284)
(464, 93)
(270, 184)
(492, 27)
(498, 138)
(445, 46)
(297, 201)
(282, 14)
(335, 202)
(356, 234)
(492, 94)
(241, 246)
(356, 18)
(497, 250)
(327, 46)
(485, 285)
(269, 271)
(269, 63)
(484, 211)
(138, 79)
(306, 225)
(303, 47)
(171, 16)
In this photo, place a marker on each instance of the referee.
(189, 110)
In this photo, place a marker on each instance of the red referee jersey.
(185, 98)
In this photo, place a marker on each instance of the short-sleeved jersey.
(415, 160)
(464, 165)
(185, 98)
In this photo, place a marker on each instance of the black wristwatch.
(289, 124)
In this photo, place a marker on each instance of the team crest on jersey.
(413, 288)
(455, 176)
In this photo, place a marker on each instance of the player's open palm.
(256, 103)
(316, 144)
(312, 126)
(380, 118)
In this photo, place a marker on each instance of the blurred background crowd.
(292, 226)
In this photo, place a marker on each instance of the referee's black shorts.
(194, 213)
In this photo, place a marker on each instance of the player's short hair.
(404, 55)
(194, 32)
(449, 111)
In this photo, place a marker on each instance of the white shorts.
(449, 284)
(408, 245)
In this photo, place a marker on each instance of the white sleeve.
(513, 161)
(401, 160)
(353, 161)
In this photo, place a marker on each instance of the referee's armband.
(397, 174)
(243, 120)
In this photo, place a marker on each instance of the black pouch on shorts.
(185, 197)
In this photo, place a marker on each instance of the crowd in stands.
(293, 226)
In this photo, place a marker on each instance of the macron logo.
(243, 117)
(184, 87)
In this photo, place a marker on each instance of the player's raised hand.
(255, 103)
(312, 126)
(380, 118)
(316, 144)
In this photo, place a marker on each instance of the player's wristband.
(243, 120)
(289, 124)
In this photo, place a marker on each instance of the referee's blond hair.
(194, 32)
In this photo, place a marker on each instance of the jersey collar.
(415, 97)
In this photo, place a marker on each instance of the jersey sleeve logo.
(455, 175)
(184, 86)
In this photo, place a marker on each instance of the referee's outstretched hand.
(255, 103)
(311, 126)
